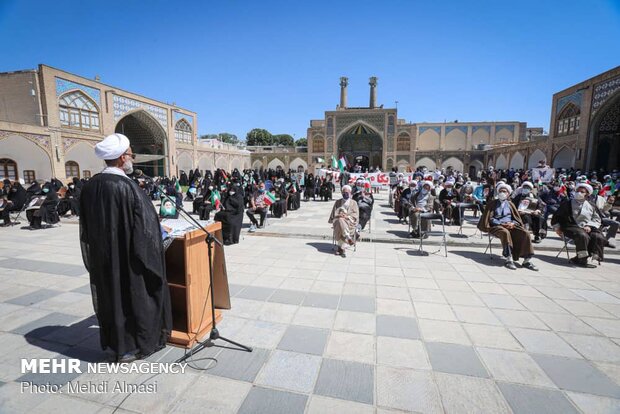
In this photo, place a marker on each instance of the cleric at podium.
(122, 250)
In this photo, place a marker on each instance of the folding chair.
(461, 208)
(489, 246)
(432, 216)
(334, 241)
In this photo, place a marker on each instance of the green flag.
(334, 162)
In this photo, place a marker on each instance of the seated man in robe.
(405, 201)
(344, 217)
(257, 206)
(580, 220)
(448, 198)
(48, 211)
(501, 219)
(365, 201)
(601, 203)
(422, 202)
(531, 209)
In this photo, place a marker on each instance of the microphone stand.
(214, 334)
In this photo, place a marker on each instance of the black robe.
(122, 250)
(231, 217)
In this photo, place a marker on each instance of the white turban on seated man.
(344, 217)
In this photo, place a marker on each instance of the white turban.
(588, 187)
(346, 188)
(504, 185)
(449, 181)
(112, 147)
(527, 184)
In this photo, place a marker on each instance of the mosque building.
(50, 121)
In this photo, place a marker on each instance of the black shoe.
(529, 265)
(582, 262)
(415, 234)
(536, 240)
(510, 265)
(128, 357)
(227, 242)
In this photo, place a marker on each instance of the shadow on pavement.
(322, 247)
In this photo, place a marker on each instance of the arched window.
(403, 143)
(318, 144)
(8, 169)
(568, 120)
(330, 126)
(78, 111)
(183, 131)
(72, 169)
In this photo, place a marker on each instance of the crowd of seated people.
(41, 203)
(519, 211)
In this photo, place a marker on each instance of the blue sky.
(276, 64)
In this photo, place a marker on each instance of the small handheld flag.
(269, 198)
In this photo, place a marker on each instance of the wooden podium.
(187, 271)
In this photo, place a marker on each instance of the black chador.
(123, 252)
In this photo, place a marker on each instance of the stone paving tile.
(407, 390)
(357, 303)
(321, 300)
(43, 267)
(565, 323)
(594, 348)
(397, 326)
(315, 317)
(34, 297)
(492, 337)
(351, 347)
(44, 326)
(267, 401)
(212, 395)
(239, 365)
(358, 322)
(322, 405)
(577, 375)
(443, 331)
(527, 400)
(434, 311)
(291, 371)
(461, 394)
(304, 339)
(595, 404)
(346, 380)
(405, 353)
(395, 307)
(512, 366)
(256, 293)
(475, 314)
(543, 342)
(455, 359)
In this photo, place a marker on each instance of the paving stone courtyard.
(384, 330)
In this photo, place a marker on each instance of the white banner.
(545, 174)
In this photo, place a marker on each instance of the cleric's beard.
(128, 167)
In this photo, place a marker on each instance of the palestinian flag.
(269, 198)
(342, 163)
(215, 199)
(334, 162)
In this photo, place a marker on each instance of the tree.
(301, 142)
(229, 138)
(208, 136)
(259, 136)
(283, 139)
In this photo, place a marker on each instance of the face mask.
(231, 193)
(210, 187)
(346, 196)
(557, 188)
(502, 196)
(261, 190)
(128, 167)
(525, 191)
(424, 191)
(71, 187)
(580, 196)
(46, 190)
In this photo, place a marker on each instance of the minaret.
(344, 81)
(373, 91)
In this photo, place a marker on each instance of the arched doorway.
(605, 137)
(565, 158)
(148, 140)
(361, 143)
